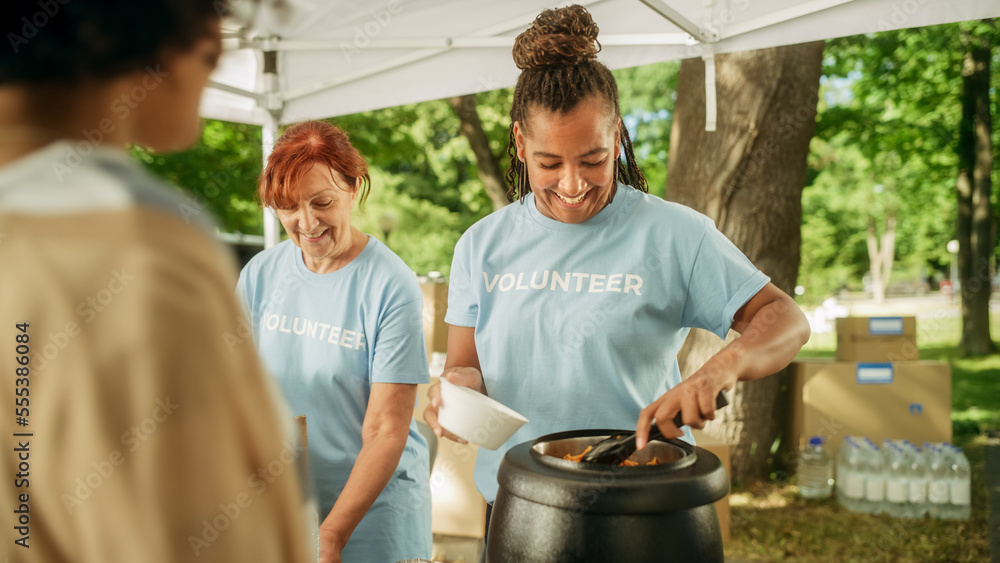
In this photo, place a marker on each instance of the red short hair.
(302, 146)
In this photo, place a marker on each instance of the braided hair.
(557, 56)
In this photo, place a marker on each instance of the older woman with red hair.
(337, 318)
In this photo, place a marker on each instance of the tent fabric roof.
(337, 57)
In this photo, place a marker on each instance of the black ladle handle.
(616, 448)
(721, 400)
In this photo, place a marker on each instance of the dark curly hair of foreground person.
(68, 41)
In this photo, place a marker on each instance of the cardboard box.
(902, 400)
(721, 450)
(435, 307)
(877, 339)
(457, 508)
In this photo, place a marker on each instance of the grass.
(770, 522)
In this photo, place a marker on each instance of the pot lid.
(686, 477)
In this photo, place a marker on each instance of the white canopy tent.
(312, 59)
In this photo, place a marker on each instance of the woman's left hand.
(329, 547)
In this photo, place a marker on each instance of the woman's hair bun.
(561, 37)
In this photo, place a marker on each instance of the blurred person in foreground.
(338, 319)
(144, 437)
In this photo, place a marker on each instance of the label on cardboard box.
(885, 325)
(868, 374)
(829, 399)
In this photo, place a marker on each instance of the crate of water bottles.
(902, 479)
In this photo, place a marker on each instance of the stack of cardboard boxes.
(878, 387)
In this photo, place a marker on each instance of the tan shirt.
(152, 433)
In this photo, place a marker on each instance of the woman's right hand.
(463, 376)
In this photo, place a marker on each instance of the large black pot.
(552, 510)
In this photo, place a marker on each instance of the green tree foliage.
(424, 174)
(220, 172)
(420, 142)
(885, 145)
(647, 95)
(425, 234)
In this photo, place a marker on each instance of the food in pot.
(627, 463)
(578, 457)
(630, 463)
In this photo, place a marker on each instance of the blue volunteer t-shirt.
(578, 326)
(326, 338)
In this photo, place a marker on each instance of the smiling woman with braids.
(571, 305)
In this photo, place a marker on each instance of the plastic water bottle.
(938, 491)
(897, 482)
(959, 487)
(874, 471)
(856, 477)
(850, 482)
(815, 470)
(919, 479)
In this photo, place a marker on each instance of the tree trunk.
(880, 255)
(748, 176)
(975, 216)
(487, 164)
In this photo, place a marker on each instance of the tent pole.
(274, 105)
(711, 109)
(272, 229)
(667, 12)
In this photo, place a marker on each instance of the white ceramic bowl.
(472, 416)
